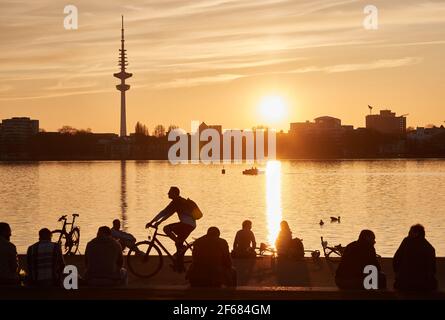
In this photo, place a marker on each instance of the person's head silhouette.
(45, 234)
(284, 226)
(104, 232)
(367, 236)
(247, 225)
(417, 231)
(173, 193)
(5, 231)
(116, 224)
(213, 232)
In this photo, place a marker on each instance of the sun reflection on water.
(273, 199)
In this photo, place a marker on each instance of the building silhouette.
(18, 129)
(122, 87)
(15, 137)
(386, 122)
(325, 125)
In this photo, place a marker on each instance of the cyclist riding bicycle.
(178, 231)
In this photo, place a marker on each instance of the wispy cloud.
(372, 65)
(174, 43)
(379, 64)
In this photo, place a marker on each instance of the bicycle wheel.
(75, 239)
(144, 259)
(60, 237)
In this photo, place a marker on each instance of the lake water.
(386, 196)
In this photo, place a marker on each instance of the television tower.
(122, 87)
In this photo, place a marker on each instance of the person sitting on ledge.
(415, 262)
(8, 257)
(284, 240)
(212, 265)
(357, 255)
(45, 262)
(126, 240)
(286, 246)
(244, 244)
(104, 261)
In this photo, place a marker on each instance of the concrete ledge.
(258, 279)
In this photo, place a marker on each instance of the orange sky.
(214, 60)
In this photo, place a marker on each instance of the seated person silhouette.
(286, 246)
(212, 265)
(357, 255)
(415, 262)
(244, 244)
(104, 260)
(284, 240)
(126, 240)
(45, 262)
(9, 274)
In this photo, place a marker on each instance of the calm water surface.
(386, 196)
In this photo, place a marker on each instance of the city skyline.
(221, 69)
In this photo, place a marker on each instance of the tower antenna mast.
(122, 87)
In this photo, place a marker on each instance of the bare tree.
(172, 127)
(84, 131)
(67, 130)
(141, 129)
(159, 131)
(73, 131)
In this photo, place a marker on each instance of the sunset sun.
(272, 109)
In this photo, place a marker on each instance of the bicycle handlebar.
(151, 225)
(64, 217)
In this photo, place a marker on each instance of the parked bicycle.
(332, 254)
(145, 258)
(68, 240)
(267, 250)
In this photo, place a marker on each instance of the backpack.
(194, 210)
(297, 249)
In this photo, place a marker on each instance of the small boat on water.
(252, 171)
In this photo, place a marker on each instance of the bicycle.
(336, 251)
(68, 240)
(145, 258)
(267, 250)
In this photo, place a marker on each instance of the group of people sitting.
(414, 262)
(244, 245)
(45, 263)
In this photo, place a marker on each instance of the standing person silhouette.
(178, 231)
